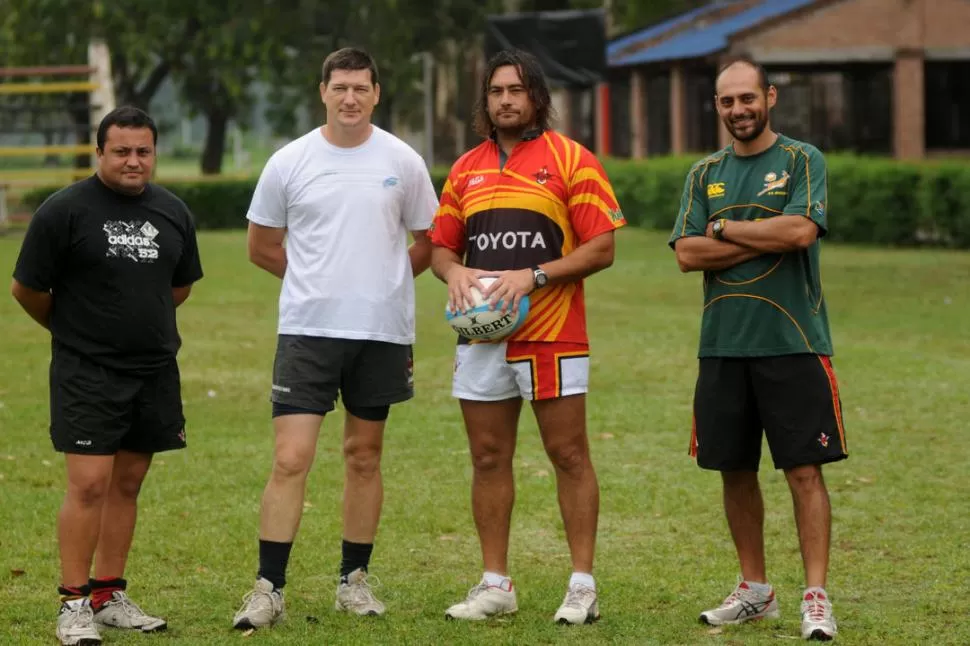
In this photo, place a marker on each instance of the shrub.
(871, 200)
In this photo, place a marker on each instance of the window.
(657, 113)
(621, 134)
(947, 86)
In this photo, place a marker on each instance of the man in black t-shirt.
(103, 266)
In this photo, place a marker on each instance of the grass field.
(900, 563)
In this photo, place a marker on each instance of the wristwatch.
(717, 231)
(539, 277)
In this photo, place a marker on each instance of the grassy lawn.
(900, 562)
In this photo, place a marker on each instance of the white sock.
(582, 578)
(818, 590)
(760, 588)
(497, 580)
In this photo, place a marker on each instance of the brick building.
(871, 76)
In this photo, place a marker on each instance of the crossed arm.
(742, 241)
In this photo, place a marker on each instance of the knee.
(289, 464)
(807, 478)
(490, 456)
(363, 459)
(569, 457)
(129, 486)
(88, 493)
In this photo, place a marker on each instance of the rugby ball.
(483, 324)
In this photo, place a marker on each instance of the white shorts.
(530, 370)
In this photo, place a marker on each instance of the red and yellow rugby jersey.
(551, 196)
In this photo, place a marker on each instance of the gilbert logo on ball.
(483, 324)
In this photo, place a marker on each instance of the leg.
(745, 513)
(79, 520)
(492, 428)
(800, 404)
(363, 497)
(813, 517)
(282, 505)
(119, 513)
(562, 424)
(363, 487)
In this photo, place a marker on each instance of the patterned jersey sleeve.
(692, 216)
(808, 188)
(593, 208)
(448, 227)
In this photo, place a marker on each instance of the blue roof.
(648, 33)
(698, 41)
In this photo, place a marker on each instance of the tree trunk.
(215, 140)
(81, 116)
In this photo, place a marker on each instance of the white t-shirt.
(347, 212)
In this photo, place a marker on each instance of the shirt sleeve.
(421, 201)
(189, 267)
(693, 213)
(44, 248)
(808, 192)
(448, 227)
(593, 208)
(268, 206)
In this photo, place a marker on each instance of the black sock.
(273, 558)
(67, 593)
(355, 556)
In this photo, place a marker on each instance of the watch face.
(541, 278)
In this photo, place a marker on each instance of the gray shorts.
(308, 372)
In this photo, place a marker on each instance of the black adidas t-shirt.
(111, 261)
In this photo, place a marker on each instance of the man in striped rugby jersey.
(535, 209)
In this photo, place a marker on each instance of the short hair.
(530, 71)
(745, 59)
(349, 59)
(127, 116)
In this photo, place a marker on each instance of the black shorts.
(794, 399)
(308, 373)
(98, 411)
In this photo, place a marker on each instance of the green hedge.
(871, 200)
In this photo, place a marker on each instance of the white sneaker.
(484, 601)
(356, 595)
(75, 624)
(579, 607)
(744, 604)
(817, 620)
(121, 612)
(262, 606)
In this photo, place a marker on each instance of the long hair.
(532, 77)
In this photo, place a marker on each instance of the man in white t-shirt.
(344, 196)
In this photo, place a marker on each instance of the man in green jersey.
(750, 218)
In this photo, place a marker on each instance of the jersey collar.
(528, 135)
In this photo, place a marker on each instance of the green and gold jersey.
(772, 304)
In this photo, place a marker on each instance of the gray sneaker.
(121, 612)
(262, 606)
(579, 607)
(356, 595)
(75, 624)
(817, 619)
(744, 604)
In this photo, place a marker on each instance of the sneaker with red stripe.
(817, 620)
